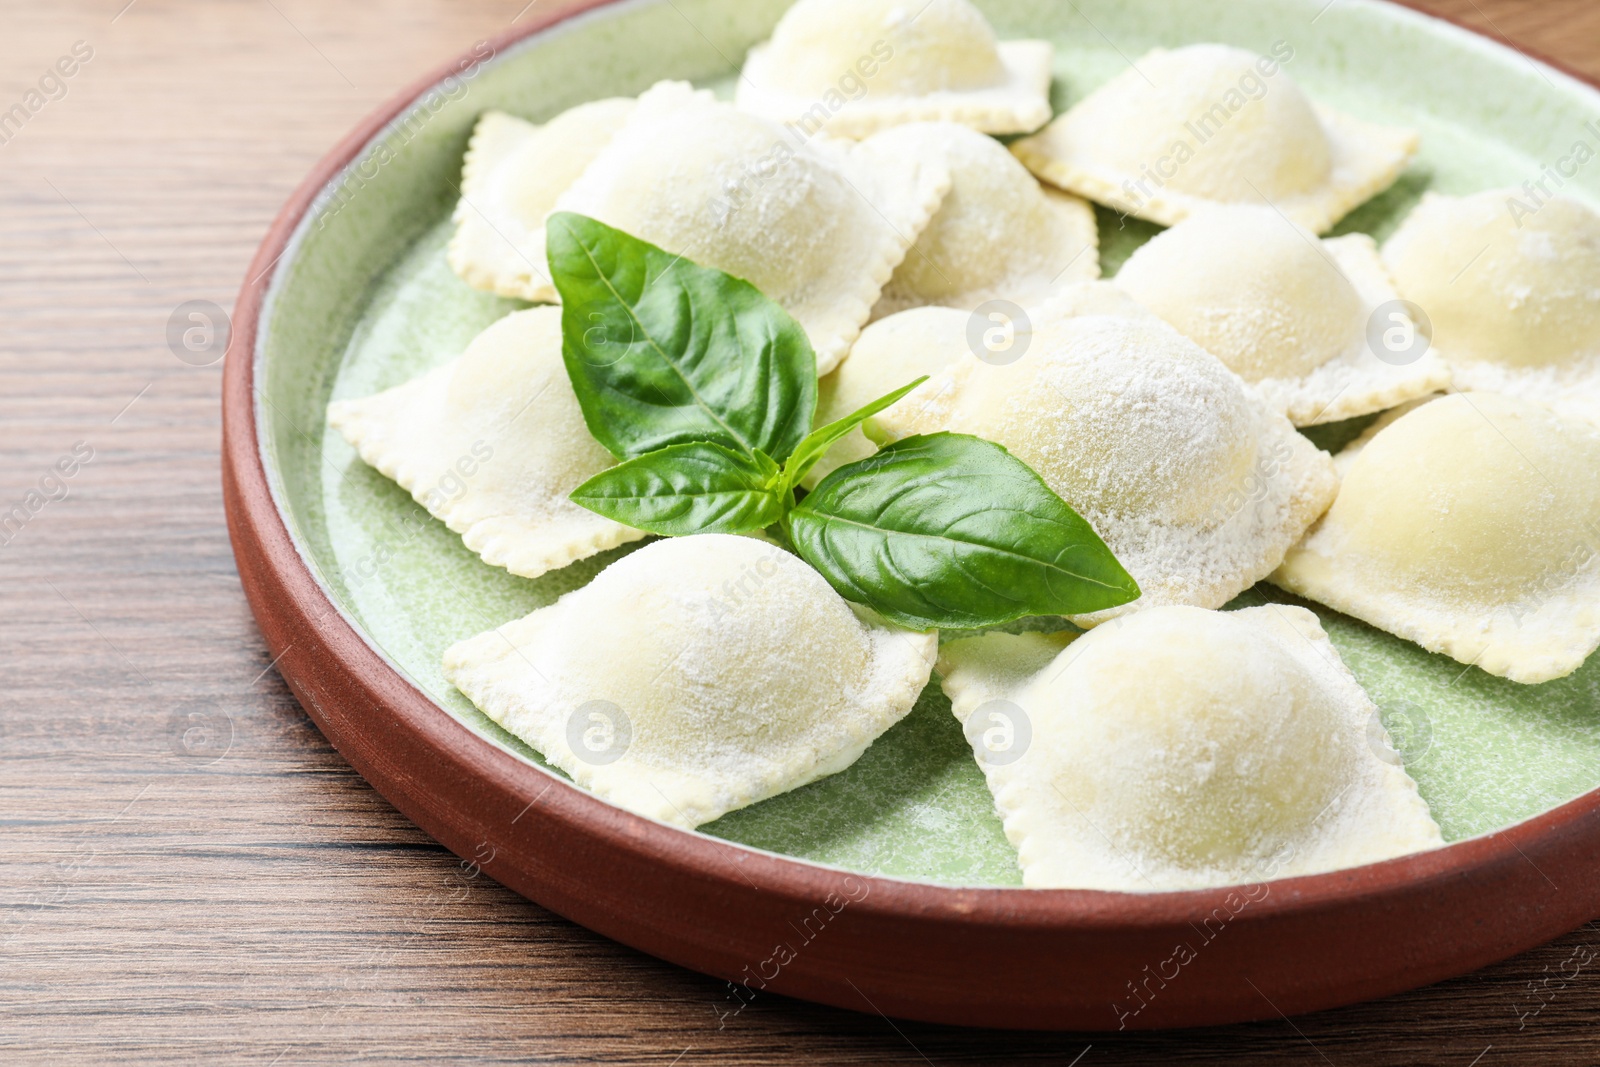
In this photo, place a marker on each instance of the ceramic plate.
(889, 886)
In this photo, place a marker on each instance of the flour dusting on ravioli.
(491, 444)
(695, 676)
(1513, 291)
(848, 68)
(513, 173)
(1180, 749)
(1287, 312)
(890, 353)
(1470, 525)
(814, 225)
(1211, 124)
(1185, 472)
(997, 233)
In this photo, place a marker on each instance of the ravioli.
(1513, 288)
(890, 353)
(513, 173)
(491, 444)
(1183, 749)
(1185, 472)
(816, 226)
(1286, 312)
(1468, 525)
(849, 68)
(695, 676)
(997, 233)
(1209, 124)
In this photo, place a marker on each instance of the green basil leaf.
(947, 530)
(662, 351)
(810, 451)
(699, 487)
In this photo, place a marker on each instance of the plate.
(889, 887)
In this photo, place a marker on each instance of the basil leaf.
(809, 453)
(947, 530)
(699, 487)
(662, 351)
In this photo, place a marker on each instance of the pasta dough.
(852, 67)
(1208, 124)
(695, 676)
(513, 173)
(1513, 292)
(1468, 525)
(1193, 482)
(1284, 311)
(817, 227)
(491, 444)
(890, 353)
(898, 350)
(996, 235)
(1181, 749)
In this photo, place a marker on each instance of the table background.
(188, 871)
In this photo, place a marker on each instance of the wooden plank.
(248, 898)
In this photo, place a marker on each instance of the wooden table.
(190, 873)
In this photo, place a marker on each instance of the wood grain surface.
(188, 872)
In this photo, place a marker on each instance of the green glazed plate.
(364, 300)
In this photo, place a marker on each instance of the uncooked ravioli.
(513, 173)
(1180, 748)
(890, 353)
(997, 233)
(695, 676)
(814, 225)
(1189, 477)
(1470, 525)
(903, 347)
(491, 444)
(848, 68)
(1211, 124)
(1513, 288)
(1289, 313)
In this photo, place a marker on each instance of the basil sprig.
(705, 390)
(662, 351)
(698, 487)
(954, 531)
